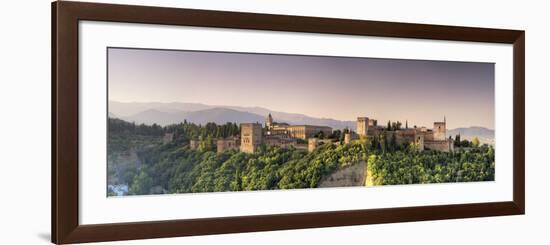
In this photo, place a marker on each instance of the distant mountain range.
(171, 113)
(472, 132)
(485, 135)
(216, 115)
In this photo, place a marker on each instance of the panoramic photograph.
(202, 121)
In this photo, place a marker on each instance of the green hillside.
(175, 168)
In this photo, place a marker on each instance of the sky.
(341, 88)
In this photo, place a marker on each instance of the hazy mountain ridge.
(125, 109)
(151, 116)
(169, 113)
(216, 115)
(485, 135)
(222, 116)
(472, 131)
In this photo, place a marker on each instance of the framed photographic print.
(175, 122)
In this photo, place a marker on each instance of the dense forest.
(414, 167)
(175, 168)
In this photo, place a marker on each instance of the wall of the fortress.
(428, 136)
(227, 144)
(405, 136)
(280, 141)
(444, 145)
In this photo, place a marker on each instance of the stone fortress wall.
(284, 135)
(434, 139)
(229, 143)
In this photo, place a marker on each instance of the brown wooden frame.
(65, 224)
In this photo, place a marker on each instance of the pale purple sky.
(342, 88)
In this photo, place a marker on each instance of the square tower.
(440, 131)
(251, 137)
(362, 126)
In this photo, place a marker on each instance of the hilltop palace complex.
(283, 135)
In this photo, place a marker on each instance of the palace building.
(302, 132)
(283, 135)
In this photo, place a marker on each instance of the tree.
(375, 146)
(384, 142)
(389, 125)
(393, 143)
(320, 135)
(142, 183)
(179, 169)
(475, 142)
(336, 134)
(457, 140)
